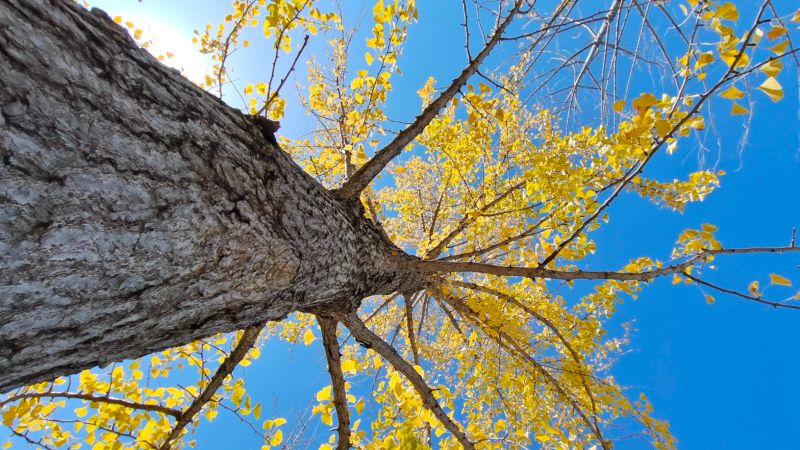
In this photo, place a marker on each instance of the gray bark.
(139, 213)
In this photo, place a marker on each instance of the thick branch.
(373, 341)
(236, 356)
(541, 272)
(333, 357)
(362, 177)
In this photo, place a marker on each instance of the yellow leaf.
(378, 9)
(774, 278)
(279, 421)
(277, 438)
(732, 93)
(796, 17)
(257, 411)
(709, 299)
(499, 426)
(727, 11)
(368, 57)
(542, 438)
(618, 105)
(703, 60)
(349, 365)
(360, 406)
(262, 88)
(738, 109)
(118, 19)
(308, 337)
(776, 32)
(248, 89)
(772, 88)
(324, 394)
(772, 68)
(780, 48)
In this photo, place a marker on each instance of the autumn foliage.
(502, 178)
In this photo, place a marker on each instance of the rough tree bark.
(139, 213)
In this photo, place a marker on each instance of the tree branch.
(333, 357)
(364, 175)
(246, 342)
(739, 294)
(93, 398)
(541, 272)
(373, 341)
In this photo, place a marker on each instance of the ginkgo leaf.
(369, 58)
(732, 93)
(618, 106)
(727, 11)
(709, 299)
(774, 278)
(308, 337)
(738, 109)
(703, 60)
(772, 88)
(324, 394)
(772, 68)
(796, 17)
(776, 32)
(276, 439)
(780, 48)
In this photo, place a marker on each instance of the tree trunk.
(138, 213)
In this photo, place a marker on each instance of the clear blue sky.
(724, 375)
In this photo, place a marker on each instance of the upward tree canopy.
(423, 257)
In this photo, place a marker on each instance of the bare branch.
(595, 46)
(373, 341)
(283, 80)
(541, 272)
(333, 357)
(244, 345)
(364, 175)
(751, 298)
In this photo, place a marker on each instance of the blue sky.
(723, 375)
